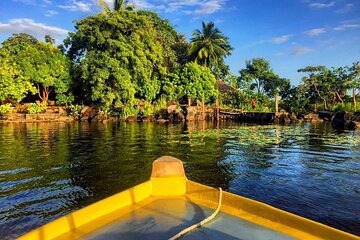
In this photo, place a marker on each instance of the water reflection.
(50, 169)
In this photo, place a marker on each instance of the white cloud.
(33, 2)
(28, 2)
(315, 32)
(299, 51)
(347, 8)
(281, 39)
(39, 30)
(322, 5)
(346, 26)
(77, 6)
(50, 13)
(197, 7)
(209, 7)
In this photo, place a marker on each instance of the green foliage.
(28, 65)
(209, 47)
(324, 86)
(174, 45)
(75, 110)
(197, 82)
(120, 57)
(232, 99)
(160, 105)
(13, 84)
(63, 99)
(36, 108)
(259, 76)
(339, 107)
(6, 108)
(130, 111)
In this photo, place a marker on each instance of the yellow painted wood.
(171, 181)
(74, 221)
(264, 215)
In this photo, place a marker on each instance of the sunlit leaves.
(29, 66)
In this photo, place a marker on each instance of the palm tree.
(118, 5)
(209, 46)
(122, 4)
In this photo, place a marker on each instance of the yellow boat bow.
(169, 202)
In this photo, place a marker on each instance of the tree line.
(122, 57)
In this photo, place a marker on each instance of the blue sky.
(291, 34)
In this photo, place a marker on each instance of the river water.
(50, 169)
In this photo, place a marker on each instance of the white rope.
(203, 222)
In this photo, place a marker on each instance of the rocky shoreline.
(178, 113)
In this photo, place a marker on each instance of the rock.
(172, 108)
(285, 119)
(85, 114)
(292, 117)
(191, 113)
(326, 115)
(85, 109)
(354, 125)
(311, 117)
(162, 120)
(131, 119)
(340, 120)
(13, 117)
(94, 112)
(99, 116)
(176, 114)
(62, 111)
(177, 117)
(146, 118)
(356, 117)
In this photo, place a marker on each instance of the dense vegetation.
(122, 58)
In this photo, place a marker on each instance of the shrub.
(36, 108)
(75, 110)
(130, 111)
(6, 108)
(160, 105)
(348, 107)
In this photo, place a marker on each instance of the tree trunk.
(325, 104)
(276, 103)
(340, 98)
(203, 108)
(44, 93)
(318, 93)
(189, 101)
(354, 99)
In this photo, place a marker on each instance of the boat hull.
(169, 202)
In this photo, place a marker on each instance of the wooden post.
(189, 101)
(217, 110)
(203, 109)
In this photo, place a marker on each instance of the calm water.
(50, 169)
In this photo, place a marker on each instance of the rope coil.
(203, 222)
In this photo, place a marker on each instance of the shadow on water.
(50, 169)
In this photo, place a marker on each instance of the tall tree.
(42, 64)
(328, 86)
(119, 58)
(209, 47)
(259, 76)
(118, 5)
(14, 86)
(197, 82)
(255, 74)
(354, 75)
(314, 83)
